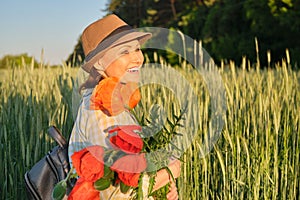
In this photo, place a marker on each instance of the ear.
(100, 69)
(99, 66)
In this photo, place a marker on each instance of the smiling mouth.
(133, 70)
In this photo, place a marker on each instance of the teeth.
(135, 69)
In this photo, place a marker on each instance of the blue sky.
(30, 26)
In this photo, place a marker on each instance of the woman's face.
(123, 61)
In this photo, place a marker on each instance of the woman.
(113, 59)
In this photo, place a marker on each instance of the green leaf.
(151, 183)
(170, 173)
(108, 173)
(151, 166)
(140, 190)
(170, 123)
(179, 134)
(124, 188)
(102, 184)
(59, 190)
(175, 146)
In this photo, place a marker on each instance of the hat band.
(109, 40)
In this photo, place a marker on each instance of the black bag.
(54, 167)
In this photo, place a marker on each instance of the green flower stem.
(70, 174)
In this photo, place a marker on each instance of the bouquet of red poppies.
(134, 152)
(99, 168)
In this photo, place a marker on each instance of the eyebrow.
(126, 45)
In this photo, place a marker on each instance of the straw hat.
(105, 33)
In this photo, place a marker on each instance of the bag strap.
(57, 136)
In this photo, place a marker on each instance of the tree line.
(21, 60)
(228, 29)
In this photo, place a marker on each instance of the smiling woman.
(113, 59)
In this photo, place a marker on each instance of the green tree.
(226, 31)
(21, 60)
(76, 58)
(271, 30)
(130, 11)
(288, 16)
(227, 28)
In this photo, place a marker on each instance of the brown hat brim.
(108, 43)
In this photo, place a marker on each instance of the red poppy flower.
(88, 163)
(106, 97)
(129, 168)
(127, 139)
(112, 97)
(130, 94)
(84, 190)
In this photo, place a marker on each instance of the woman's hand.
(173, 194)
(163, 177)
(174, 167)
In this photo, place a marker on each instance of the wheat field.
(256, 156)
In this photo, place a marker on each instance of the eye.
(125, 52)
(138, 49)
